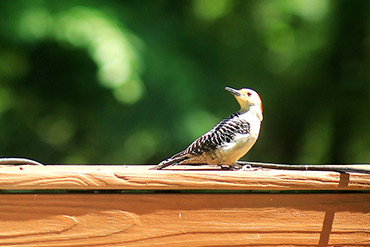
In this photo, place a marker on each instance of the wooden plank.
(180, 178)
(185, 220)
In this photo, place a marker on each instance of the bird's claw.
(246, 168)
(225, 167)
(234, 167)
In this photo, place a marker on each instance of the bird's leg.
(236, 167)
(239, 166)
(225, 167)
(232, 167)
(246, 168)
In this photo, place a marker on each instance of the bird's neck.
(253, 110)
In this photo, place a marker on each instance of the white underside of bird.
(229, 140)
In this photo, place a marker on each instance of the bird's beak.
(233, 91)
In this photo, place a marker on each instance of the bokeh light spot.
(211, 10)
(109, 44)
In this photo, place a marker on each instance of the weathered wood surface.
(185, 220)
(180, 178)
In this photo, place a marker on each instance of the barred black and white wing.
(223, 133)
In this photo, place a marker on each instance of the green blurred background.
(136, 81)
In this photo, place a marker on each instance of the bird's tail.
(174, 160)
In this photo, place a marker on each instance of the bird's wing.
(223, 132)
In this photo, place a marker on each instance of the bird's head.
(247, 98)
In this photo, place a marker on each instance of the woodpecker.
(229, 140)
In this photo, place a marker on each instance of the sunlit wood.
(223, 208)
(178, 178)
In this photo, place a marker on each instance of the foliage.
(134, 82)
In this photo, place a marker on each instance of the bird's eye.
(249, 94)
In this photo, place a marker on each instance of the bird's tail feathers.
(174, 160)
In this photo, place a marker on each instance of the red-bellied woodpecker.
(229, 140)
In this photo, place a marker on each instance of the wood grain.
(180, 178)
(185, 220)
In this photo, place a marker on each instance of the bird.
(229, 140)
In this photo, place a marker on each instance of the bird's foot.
(233, 167)
(225, 167)
(247, 168)
(239, 167)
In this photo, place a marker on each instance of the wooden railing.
(184, 206)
